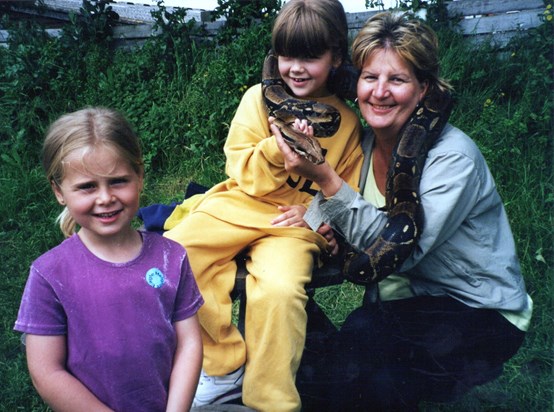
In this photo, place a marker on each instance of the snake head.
(306, 146)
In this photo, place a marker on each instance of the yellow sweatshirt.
(258, 181)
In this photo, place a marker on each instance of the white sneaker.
(214, 390)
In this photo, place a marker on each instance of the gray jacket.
(466, 249)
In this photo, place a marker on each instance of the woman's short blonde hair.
(413, 40)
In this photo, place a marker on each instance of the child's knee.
(277, 292)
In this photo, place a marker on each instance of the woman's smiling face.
(388, 92)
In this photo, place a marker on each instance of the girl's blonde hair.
(413, 40)
(86, 129)
(309, 28)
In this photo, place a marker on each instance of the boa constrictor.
(405, 217)
(324, 119)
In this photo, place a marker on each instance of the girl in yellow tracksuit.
(236, 215)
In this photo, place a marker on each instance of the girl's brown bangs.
(296, 41)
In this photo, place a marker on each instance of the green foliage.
(215, 91)
(145, 96)
(507, 110)
(240, 15)
(175, 44)
(45, 76)
(92, 25)
(30, 63)
(431, 6)
(181, 93)
(374, 3)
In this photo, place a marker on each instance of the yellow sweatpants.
(275, 321)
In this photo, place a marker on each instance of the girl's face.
(307, 77)
(101, 191)
(388, 92)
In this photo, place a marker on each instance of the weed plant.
(181, 96)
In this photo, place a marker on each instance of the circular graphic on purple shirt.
(155, 278)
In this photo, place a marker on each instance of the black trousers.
(389, 356)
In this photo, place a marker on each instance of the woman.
(457, 308)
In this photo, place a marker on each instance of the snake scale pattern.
(405, 215)
(324, 119)
(404, 225)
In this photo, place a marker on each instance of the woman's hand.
(323, 175)
(291, 216)
(328, 233)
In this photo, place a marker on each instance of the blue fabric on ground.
(154, 216)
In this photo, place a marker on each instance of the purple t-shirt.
(117, 316)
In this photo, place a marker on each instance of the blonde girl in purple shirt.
(110, 313)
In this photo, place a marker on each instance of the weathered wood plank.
(136, 31)
(476, 7)
(497, 39)
(357, 20)
(4, 34)
(128, 13)
(523, 20)
(498, 17)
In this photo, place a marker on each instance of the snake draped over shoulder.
(404, 224)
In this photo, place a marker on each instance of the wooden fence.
(484, 20)
(501, 19)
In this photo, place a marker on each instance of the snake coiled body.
(404, 213)
(324, 119)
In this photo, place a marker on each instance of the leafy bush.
(30, 63)
(181, 95)
(175, 45)
(92, 25)
(240, 15)
(215, 90)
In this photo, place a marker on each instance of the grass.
(182, 116)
